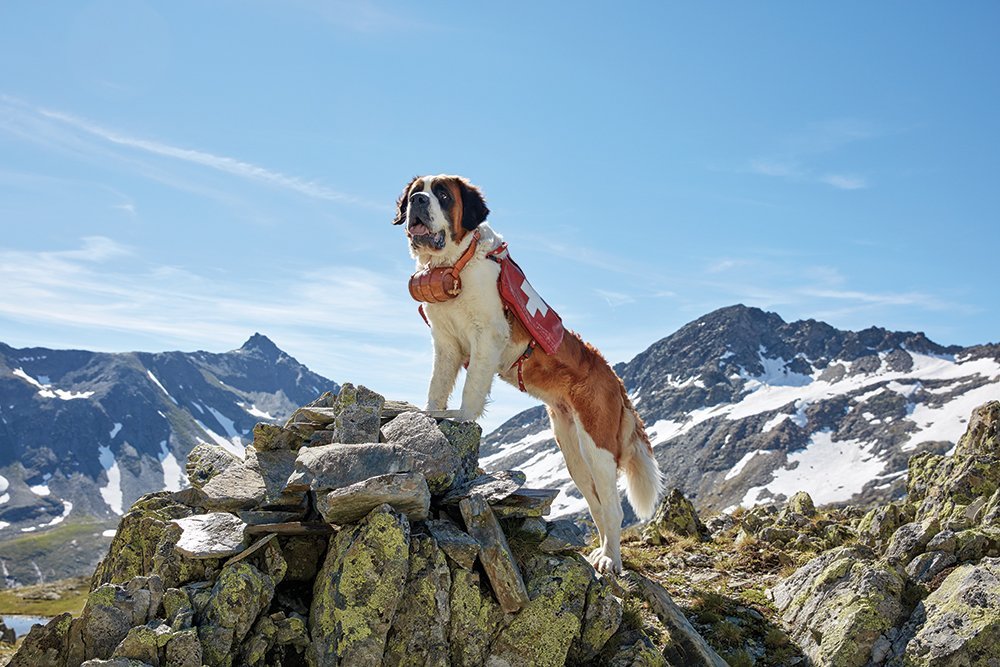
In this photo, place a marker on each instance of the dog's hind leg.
(565, 429)
(604, 478)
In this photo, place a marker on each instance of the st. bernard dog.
(595, 424)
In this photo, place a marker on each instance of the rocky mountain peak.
(261, 345)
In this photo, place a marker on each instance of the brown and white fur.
(595, 424)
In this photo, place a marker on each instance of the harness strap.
(466, 256)
(520, 362)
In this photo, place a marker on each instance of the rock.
(240, 594)
(525, 503)
(676, 515)
(686, 646)
(107, 617)
(944, 541)
(802, 503)
(275, 467)
(142, 643)
(213, 535)
(141, 533)
(265, 517)
(878, 526)
(971, 545)
(493, 486)
(458, 545)
(45, 644)
(358, 590)
(542, 632)
(392, 409)
(632, 648)
(532, 529)
(304, 556)
(841, 606)
(910, 540)
(266, 556)
(962, 620)
(419, 632)
(475, 619)
(928, 565)
(7, 635)
(601, 619)
(206, 461)
(464, 438)
(358, 414)
(563, 535)
(116, 662)
(435, 456)
(406, 493)
(336, 466)
(495, 555)
(184, 650)
(269, 437)
(238, 487)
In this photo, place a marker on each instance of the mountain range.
(743, 407)
(85, 434)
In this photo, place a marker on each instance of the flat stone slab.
(495, 555)
(213, 535)
(493, 486)
(456, 543)
(525, 503)
(240, 487)
(407, 493)
(269, 437)
(392, 409)
(262, 517)
(336, 466)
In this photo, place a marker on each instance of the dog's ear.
(403, 202)
(474, 209)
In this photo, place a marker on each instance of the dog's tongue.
(419, 229)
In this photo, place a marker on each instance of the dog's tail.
(643, 479)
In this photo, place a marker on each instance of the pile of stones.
(921, 586)
(361, 532)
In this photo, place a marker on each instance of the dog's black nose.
(420, 201)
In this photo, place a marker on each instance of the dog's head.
(438, 210)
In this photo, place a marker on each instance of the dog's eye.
(442, 195)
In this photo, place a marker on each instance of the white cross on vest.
(535, 302)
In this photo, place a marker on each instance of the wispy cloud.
(221, 163)
(615, 299)
(796, 157)
(67, 132)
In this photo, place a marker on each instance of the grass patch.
(49, 599)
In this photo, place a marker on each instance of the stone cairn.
(359, 533)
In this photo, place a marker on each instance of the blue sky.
(179, 175)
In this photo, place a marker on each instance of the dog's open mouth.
(421, 235)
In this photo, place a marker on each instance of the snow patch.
(112, 491)
(114, 431)
(226, 423)
(109, 533)
(254, 411)
(738, 468)
(830, 471)
(45, 389)
(162, 388)
(234, 445)
(947, 422)
(40, 489)
(173, 476)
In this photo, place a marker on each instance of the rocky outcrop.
(348, 536)
(921, 587)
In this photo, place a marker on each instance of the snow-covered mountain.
(742, 406)
(84, 434)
